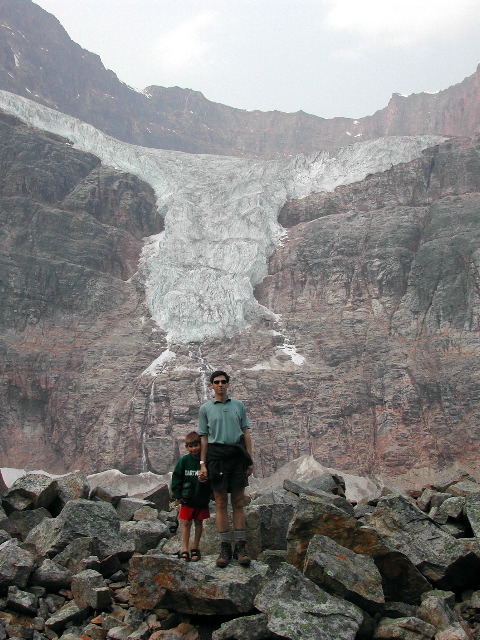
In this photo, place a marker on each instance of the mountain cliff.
(39, 61)
(340, 288)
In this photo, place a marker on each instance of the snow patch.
(158, 365)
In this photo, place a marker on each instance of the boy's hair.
(191, 437)
(215, 374)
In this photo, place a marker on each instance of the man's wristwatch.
(202, 461)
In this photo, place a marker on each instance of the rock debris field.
(81, 563)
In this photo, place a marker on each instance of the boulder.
(194, 588)
(344, 573)
(20, 523)
(409, 628)
(144, 534)
(52, 576)
(245, 628)
(70, 487)
(80, 518)
(127, 506)
(159, 496)
(401, 579)
(69, 613)
(442, 559)
(472, 512)
(31, 491)
(437, 609)
(298, 608)
(309, 489)
(107, 494)
(89, 589)
(16, 565)
(267, 527)
(22, 601)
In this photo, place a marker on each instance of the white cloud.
(405, 24)
(187, 46)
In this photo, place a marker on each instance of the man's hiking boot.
(240, 554)
(225, 555)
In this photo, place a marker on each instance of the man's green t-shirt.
(222, 422)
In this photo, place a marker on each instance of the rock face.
(70, 242)
(368, 362)
(38, 60)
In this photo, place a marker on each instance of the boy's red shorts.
(193, 513)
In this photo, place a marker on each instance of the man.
(226, 459)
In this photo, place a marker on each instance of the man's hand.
(249, 470)
(203, 475)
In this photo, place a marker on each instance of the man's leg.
(238, 502)
(221, 504)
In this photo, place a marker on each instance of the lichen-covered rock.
(16, 565)
(196, 588)
(79, 518)
(298, 609)
(89, 589)
(31, 491)
(244, 628)
(341, 572)
(51, 576)
(442, 559)
(409, 628)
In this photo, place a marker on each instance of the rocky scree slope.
(81, 563)
(39, 61)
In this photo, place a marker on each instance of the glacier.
(220, 216)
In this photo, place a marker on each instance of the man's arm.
(202, 476)
(248, 446)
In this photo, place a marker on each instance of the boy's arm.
(177, 479)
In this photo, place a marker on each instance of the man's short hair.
(193, 436)
(215, 374)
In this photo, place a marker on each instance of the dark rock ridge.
(38, 60)
(76, 563)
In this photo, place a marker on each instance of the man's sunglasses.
(220, 382)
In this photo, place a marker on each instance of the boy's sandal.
(185, 556)
(195, 555)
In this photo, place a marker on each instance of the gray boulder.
(344, 573)
(309, 489)
(89, 589)
(69, 613)
(22, 601)
(70, 487)
(267, 527)
(31, 491)
(298, 608)
(194, 588)
(51, 576)
(16, 565)
(143, 535)
(80, 518)
(442, 559)
(409, 628)
(20, 523)
(245, 628)
(472, 512)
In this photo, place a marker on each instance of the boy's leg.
(186, 526)
(198, 534)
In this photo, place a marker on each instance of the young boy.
(194, 496)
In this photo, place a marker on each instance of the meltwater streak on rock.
(220, 215)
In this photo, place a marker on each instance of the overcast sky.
(326, 57)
